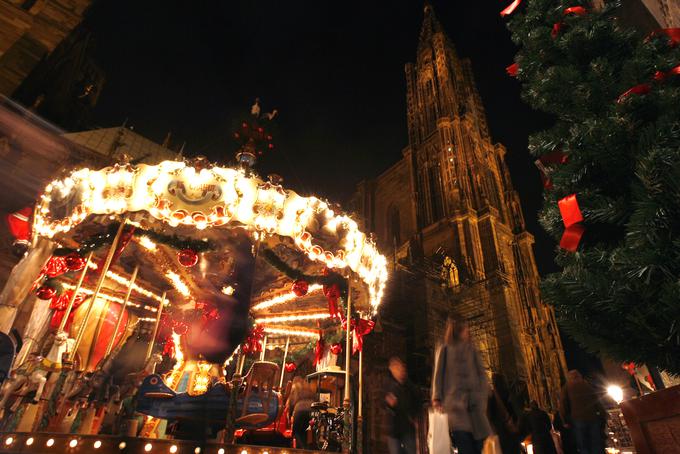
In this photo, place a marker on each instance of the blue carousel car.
(156, 399)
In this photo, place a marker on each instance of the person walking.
(502, 416)
(537, 423)
(402, 408)
(300, 410)
(460, 388)
(583, 413)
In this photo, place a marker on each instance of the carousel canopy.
(233, 213)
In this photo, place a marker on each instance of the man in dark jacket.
(583, 412)
(537, 423)
(402, 407)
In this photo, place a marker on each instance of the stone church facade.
(451, 195)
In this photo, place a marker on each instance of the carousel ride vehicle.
(154, 286)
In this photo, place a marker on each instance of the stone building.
(450, 220)
(30, 30)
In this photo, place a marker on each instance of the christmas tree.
(611, 171)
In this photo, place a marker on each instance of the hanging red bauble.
(74, 261)
(300, 287)
(290, 367)
(46, 292)
(336, 348)
(187, 257)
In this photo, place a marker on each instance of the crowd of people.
(481, 416)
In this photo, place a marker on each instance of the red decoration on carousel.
(74, 261)
(318, 351)
(55, 266)
(512, 70)
(46, 292)
(187, 257)
(60, 302)
(253, 343)
(332, 293)
(336, 348)
(290, 367)
(360, 327)
(511, 8)
(169, 347)
(300, 287)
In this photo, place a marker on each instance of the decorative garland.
(97, 241)
(332, 337)
(327, 279)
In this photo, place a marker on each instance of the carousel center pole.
(283, 363)
(100, 282)
(119, 319)
(347, 439)
(152, 341)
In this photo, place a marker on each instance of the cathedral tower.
(460, 203)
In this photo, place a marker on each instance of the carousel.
(170, 306)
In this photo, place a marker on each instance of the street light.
(616, 393)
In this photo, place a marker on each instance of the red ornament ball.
(46, 292)
(336, 349)
(300, 287)
(187, 257)
(290, 367)
(74, 261)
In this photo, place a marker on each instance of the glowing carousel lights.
(292, 332)
(178, 283)
(126, 282)
(293, 318)
(176, 193)
(284, 298)
(106, 296)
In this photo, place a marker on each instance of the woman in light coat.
(461, 389)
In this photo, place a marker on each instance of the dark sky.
(334, 70)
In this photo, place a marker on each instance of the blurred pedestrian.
(536, 422)
(402, 408)
(502, 416)
(460, 388)
(300, 410)
(566, 435)
(584, 414)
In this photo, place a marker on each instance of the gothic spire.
(430, 25)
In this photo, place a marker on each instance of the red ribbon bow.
(318, 350)
(572, 218)
(332, 293)
(512, 70)
(55, 266)
(360, 327)
(641, 89)
(576, 10)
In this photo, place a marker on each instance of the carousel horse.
(24, 375)
(36, 369)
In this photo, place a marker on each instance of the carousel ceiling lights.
(284, 298)
(126, 283)
(293, 317)
(291, 332)
(177, 193)
(178, 283)
(106, 296)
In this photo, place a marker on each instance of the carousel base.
(48, 443)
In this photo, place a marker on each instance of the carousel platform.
(47, 443)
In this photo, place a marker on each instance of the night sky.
(334, 70)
